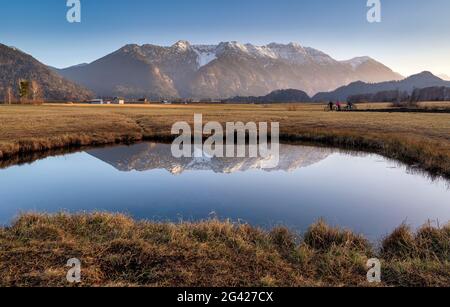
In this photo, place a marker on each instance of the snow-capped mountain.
(357, 62)
(292, 52)
(205, 54)
(221, 71)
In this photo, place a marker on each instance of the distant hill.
(444, 77)
(279, 96)
(221, 71)
(422, 80)
(423, 94)
(16, 65)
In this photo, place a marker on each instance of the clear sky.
(414, 35)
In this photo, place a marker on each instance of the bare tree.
(8, 95)
(34, 91)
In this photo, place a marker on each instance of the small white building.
(118, 100)
(96, 101)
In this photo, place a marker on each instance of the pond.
(363, 192)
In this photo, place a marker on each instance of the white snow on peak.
(182, 45)
(205, 54)
(295, 45)
(358, 61)
(237, 45)
(224, 46)
(292, 52)
(319, 56)
(261, 51)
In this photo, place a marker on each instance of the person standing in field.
(331, 105)
(338, 104)
(350, 105)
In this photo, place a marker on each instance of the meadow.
(419, 139)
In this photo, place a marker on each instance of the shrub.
(399, 244)
(322, 237)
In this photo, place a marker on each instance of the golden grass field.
(421, 139)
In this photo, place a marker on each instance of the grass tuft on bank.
(115, 250)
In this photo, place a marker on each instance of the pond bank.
(117, 251)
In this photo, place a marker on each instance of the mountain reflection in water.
(364, 192)
(151, 156)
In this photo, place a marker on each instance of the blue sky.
(414, 35)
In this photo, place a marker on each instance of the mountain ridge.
(224, 70)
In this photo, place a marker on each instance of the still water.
(363, 192)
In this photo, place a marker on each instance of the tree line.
(437, 93)
(28, 91)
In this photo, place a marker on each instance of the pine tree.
(24, 90)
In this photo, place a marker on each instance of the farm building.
(118, 100)
(96, 101)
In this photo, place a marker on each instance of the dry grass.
(422, 139)
(435, 105)
(117, 251)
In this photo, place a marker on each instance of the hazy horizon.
(411, 38)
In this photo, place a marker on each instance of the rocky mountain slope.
(16, 65)
(221, 71)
